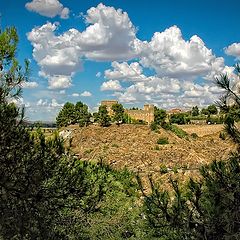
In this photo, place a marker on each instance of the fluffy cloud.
(48, 104)
(170, 55)
(165, 91)
(86, 94)
(233, 50)
(111, 85)
(56, 55)
(29, 84)
(48, 8)
(110, 36)
(75, 94)
(124, 71)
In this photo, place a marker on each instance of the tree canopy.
(72, 114)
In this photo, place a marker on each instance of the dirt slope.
(135, 147)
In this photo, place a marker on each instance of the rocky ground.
(135, 147)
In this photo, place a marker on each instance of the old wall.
(146, 114)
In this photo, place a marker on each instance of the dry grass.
(135, 147)
(203, 130)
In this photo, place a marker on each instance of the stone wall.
(146, 114)
(108, 104)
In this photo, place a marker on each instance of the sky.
(161, 52)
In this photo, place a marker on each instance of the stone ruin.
(146, 114)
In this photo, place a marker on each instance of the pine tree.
(103, 117)
(118, 111)
(82, 116)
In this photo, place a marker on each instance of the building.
(146, 114)
(174, 111)
(108, 104)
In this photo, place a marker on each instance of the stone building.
(108, 104)
(146, 114)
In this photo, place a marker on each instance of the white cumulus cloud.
(48, 8)
(29, 84)
(111, 85)
(170, 55)
(75, 94)
(110, 36)
(86, 94)
(233, 50)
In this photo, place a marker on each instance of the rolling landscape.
(119, 120)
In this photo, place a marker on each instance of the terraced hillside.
(135, 147)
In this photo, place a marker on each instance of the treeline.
(79, 114)
(47, 193)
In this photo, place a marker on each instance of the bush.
(154, 126)
(163, 169)
(157, 148)
(222, 135)
(162, 141)
(179, 118)
(194, 135)
(178, 131)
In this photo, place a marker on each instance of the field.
(135, 147)
(203, 130)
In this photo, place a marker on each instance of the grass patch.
(222, 135)
(157, 148)
(175, 129)
(115, 145)
(194, 135)
(162, 141)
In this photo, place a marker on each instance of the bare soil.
(135, 147)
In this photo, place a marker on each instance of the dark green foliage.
(71, 114)
(179, 118)
(194, 135)
(204, 111)
(154, 126)
(159, 115)
(118, 111)
(45, 192)
(162, 141)
(175, 129)
(222, 135)
(66, 115)
(195, 111)
(11, 73)
(103, 117)
(212, 109)
(82, 116)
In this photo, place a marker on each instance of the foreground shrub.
(162, 141)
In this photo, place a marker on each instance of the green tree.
(179, 118)
(66, 116)
(212, 109)
(204, 111)
(118, 111)
(82, 116)
(103, 117)
(45, 192)
(195, 111)
(11, 73)
(159, 115)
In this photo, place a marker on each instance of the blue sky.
(162, 52)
